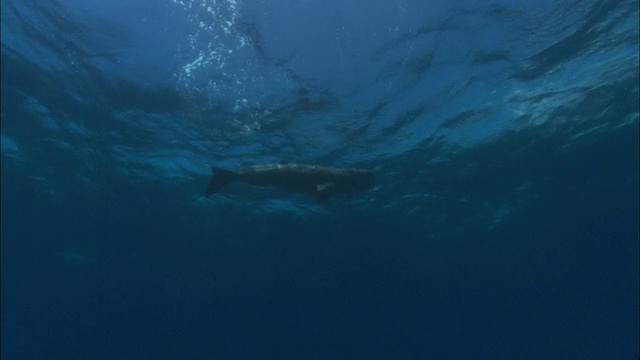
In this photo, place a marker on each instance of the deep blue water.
(503, 136)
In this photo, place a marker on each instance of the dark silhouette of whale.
(319, 181)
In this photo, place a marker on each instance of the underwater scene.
(300, 179)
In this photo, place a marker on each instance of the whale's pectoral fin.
(324, 186)
(324, 192)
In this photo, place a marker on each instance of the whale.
(318, 181)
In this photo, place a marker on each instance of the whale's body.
(319, 181)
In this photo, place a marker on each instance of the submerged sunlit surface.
(503, 136)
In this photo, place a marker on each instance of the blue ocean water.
(503, 136)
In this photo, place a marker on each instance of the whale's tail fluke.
(221, 177)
